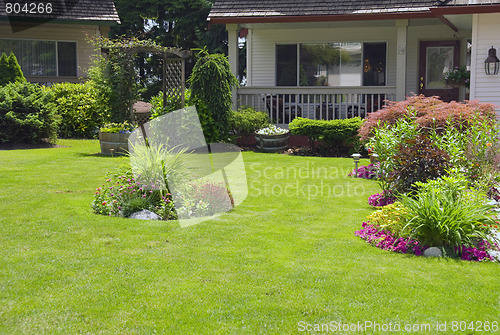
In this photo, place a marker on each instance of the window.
(331, 64)
(43, 58)
(374, 64)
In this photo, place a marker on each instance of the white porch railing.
(283, 104)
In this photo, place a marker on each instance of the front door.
(437, 58)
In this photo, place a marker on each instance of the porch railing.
(283, 104)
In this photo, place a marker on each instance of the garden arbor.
(173, 65)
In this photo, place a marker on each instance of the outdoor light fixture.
(492, 63)
(356, 158)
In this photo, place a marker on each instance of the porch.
(283, 104)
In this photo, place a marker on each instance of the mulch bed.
(302, 151)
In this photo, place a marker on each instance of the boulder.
(433, 252)
(145, 215)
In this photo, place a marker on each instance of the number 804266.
(28, 8)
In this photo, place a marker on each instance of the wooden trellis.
(174, 69)
(174, 79)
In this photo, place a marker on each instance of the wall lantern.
(492, 63)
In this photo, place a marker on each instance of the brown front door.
(436, 58)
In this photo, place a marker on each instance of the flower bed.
(386, 240)
(367, 171)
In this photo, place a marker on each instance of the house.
(337, 58)
(50, 39)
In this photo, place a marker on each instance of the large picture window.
(331, 64)
(43, 58)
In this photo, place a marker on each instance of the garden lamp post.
(356, 158)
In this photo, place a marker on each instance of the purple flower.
(381, 199)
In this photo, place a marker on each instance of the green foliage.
(211, 88)
(115, 78)
(391, 218)
(10, 70)
(27, 114)
(409, 152)
(247, 120)
(173, 103)
(444, 213)
(157, 165)
(135, 205)
(123, 127)
(80, 109)
(339, 135)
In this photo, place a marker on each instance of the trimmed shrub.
(27, 114)
(247, 120)
(340, 135)
(10, 71)
(80, 109)
(429, 112)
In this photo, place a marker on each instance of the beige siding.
(71, 33)
(485, 33)
(416, 34)
(262, 58)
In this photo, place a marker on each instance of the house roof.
(83, 11)
(247, 11)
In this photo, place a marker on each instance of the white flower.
(272, 130)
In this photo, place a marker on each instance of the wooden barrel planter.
(114, 143)
(272, 143)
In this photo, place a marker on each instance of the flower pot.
(454, 84)
(113, 143)
(272, 143)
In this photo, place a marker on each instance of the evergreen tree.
(10, 71)
(17, 75)
(4, 69)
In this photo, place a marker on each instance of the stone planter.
(114, 143)
(272, 143)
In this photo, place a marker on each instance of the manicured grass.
(287, 254)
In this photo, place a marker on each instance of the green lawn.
(284, 260)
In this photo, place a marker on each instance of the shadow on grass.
(98, 154)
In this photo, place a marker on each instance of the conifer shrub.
(10, 70)
(27, 114)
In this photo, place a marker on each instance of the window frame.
(56, 54)
(297, 44)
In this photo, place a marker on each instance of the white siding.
(62, 32)
(263, 41)
(485, 31)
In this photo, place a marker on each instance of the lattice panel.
(174, 79)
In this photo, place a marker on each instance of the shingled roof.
(98, 11)
(227, 11)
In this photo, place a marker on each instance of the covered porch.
(419, 48)
(283, 104)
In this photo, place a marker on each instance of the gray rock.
(433, 252)
(145, 215)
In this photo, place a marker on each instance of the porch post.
(402, 36)
(233, 55)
